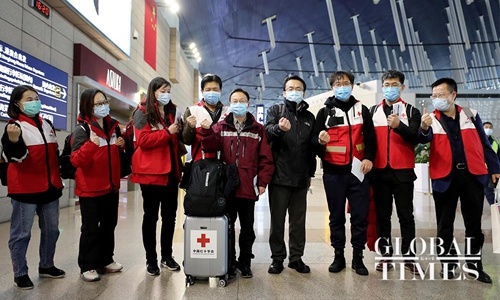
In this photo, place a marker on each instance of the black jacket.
(293, 153)
(368, 134)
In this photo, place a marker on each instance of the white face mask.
(488, 131)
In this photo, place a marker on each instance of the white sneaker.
(113, 267)
(90, 275)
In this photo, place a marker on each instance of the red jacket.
(201, 113)
(440, 158)
(97, 167)
(249, 150)
(33, 171)
(392, 149)
(157, 151)
(346, 139)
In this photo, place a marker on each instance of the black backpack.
(67, 169)
(211, 183)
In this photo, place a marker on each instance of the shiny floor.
(134, 283)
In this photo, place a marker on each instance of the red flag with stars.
(150, 14)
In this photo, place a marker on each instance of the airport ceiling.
(231, 36)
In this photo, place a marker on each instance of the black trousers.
(293, 200)
(97, 239)
(465, 186)
(338, 187)
(244, 209)
(385, 187)
(154, 197)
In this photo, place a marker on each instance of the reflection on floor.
(134, 283)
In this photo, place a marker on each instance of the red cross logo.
(203, 240)
(403, 115)
(359, 113)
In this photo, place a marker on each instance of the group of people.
(365, 153)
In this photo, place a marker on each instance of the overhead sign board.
(17, 67)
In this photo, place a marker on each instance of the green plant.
(422, 153)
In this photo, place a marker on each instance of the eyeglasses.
(440, 95)
(245, 101)
(291, 89)
(394, 84)
(340, 84)
(104, 102)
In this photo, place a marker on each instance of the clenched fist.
(120, 142)
(191, 121)
(173, 129)
(323, 137)
(94, 138)
(284, 124)
(393, 121)
(14, 132)
(205, 124)
(426, 120)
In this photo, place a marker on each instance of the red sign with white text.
(87, 63)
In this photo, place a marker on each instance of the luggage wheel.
(189, 280)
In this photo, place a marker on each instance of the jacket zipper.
(109, 165)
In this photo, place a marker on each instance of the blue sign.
(17, 67)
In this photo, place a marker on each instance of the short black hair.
(393, 74)
(339, 75)
(294, 77)
(451, 83)
(238, 90)
(211, 78)
(17, 94)
(487, 123)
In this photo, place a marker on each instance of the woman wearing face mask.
(344, 133)
(30, 145)
(156, 166)
(242, 141)
(95, 154)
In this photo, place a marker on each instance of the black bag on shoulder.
(67, 169)
(205, 193)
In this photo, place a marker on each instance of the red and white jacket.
(201, 113)
(33, 171)
(346, 140)
(440, 160)
(389, 143)
(157, 151)
(97, 167)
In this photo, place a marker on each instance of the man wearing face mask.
(396, 125)
(243, 142)
(489, 192)
(210, 108)
(345, 137)
(289, 128)
(461, 164)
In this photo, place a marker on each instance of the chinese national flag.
(150, 14)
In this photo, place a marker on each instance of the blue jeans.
(23, 215)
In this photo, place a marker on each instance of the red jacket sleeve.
(211, 141)
(266, 164)
(83, 155)
(147, 138)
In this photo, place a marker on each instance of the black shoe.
(170, 264)
(23, 282)
(246, 272)
(51, 272)
(384, 262)
(299, 266)
(357, 263)
(483, 277)
(152, 268)
(338, 263)
(276, 267)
